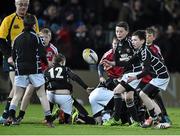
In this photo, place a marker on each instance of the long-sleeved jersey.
(27, 53)
(114, 72)
(156, 50)
(58, 77)
(153, 64)
(123, 53)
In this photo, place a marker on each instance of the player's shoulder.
(8, 18)
(108, 52)
(53, 47)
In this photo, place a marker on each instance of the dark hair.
(29, 20)
(150, 30)
(141, 34)
(123, 24)
(59, 58)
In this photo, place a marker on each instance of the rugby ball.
(90, 56)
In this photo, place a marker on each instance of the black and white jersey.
(153, 64)
(28, 52)
(58, 77)
(123, 53)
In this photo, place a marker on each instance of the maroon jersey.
(51, 50)
(156, 50)
(114, 71)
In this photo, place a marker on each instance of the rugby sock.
(51, 106)
(87, 119)
(152, 113)
(159, 101)
(12, 113)
(66, 118)
(125, 114)
(6, 110)
(48, 118)
(117, 106)
(110, 105)
(133, 112)
(21, 114)
(79, 107)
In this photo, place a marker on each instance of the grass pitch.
(32, 125)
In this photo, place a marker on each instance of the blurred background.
(80, 24)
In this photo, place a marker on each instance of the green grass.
(32, 125)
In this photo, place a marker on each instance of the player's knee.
(92, 100)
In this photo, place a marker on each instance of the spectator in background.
(81, 40)
(99, 41)
(64, 36)
(174, 39)
(52, 15)
(165, 45)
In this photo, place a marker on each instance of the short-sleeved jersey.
(58, 77)
(16, 23)
(114, 72)
(51, 51)
(123, 53)
(153, 65)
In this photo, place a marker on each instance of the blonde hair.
(46, 31)
(16, 1)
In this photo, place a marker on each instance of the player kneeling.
(59, 88)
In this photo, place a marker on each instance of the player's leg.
(145, 94)
(79, 107)
(44, 103)
(65, 102)
(38, 81)
(25, 101)
(99, 98)
(6, 109)
(19, 91)
(118, 102)
(129, 98)
(159, 101)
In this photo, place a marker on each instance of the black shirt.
(153, 64)
(123, 53)
(58, 77)
(28, 52)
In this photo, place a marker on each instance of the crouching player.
(102, 98)
(59, 88)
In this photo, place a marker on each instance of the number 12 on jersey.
(56, 73)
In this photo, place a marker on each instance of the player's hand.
(89, 89)
(111, 63)
(10, 61)
(131, 78)
(102, 80)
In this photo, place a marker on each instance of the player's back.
(57, 78)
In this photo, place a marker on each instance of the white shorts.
(64, 101)
(35, 79)
(160, 83)
(99, 98)
(134, 83)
